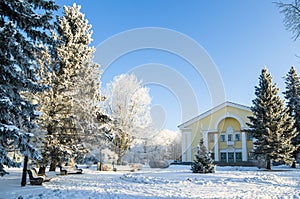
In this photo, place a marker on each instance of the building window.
(238, 156)
(229, 137)
(222, 138)
(237, 137)
(223, 157)
(230, 157)
(211, 137)
(249, 137)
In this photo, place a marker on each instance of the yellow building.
(223, 130)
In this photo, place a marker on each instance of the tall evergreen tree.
(271, 125)
(76, 56)
(203, 163)
(71, 103)
(292, 95)
(22, 24)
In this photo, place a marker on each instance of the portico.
(223, 129)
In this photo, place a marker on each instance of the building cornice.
(211, 111)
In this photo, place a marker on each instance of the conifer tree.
(292, 95)
(203, 163)
(271, 125)
(22, 25)
(71, 103)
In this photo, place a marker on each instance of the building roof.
(203, 115)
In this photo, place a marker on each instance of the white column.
(216, 146)
(183, 147)
(244, 147)
(189, 146)
(205, 139)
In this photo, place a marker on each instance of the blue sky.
(241, 37)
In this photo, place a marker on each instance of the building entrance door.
(230, 157)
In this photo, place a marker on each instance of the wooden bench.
(35, 173)
(35, 180)
(64, 170)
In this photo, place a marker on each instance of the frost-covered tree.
(22, 25)
(292, 95)
(160, 145)
(128, 104)
(164, 145)
(71, 103)
(271, 125)
(291, 11)
(76, 34)
(203, 163)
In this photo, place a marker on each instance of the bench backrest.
(34, 172)
(30, 174)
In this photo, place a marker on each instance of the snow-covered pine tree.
(292, 95)
(271, 125)
(51, 108)
(203, 163)
(22, 25)
(69, 112)
(86, 91)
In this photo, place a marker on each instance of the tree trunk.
(294, 164)
(119, 161)
(42, 170)
(268, 164)
(24, 174)
(53, 165)
(119, 153)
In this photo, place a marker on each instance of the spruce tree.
(76, 56)
(203, 163)
(22, 25)
(72, 100)
(271, 125)
(292, 95)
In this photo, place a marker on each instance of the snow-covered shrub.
(159, 164)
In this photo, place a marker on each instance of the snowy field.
(173, 182)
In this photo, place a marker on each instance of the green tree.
(271, 125)
(203, 163)
(292, 95)
(22, 25)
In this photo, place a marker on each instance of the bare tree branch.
(291, 13)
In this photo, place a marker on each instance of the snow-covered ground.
(173, 182)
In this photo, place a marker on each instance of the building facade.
(223, 129)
